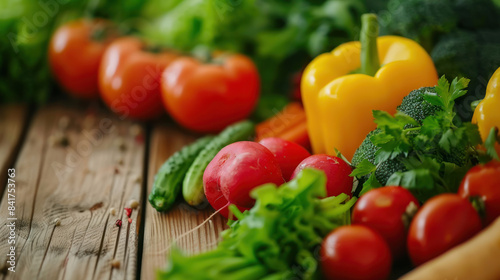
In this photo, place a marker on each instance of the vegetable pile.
(424, 147)
(424, 153)
(424, 170)
(361, 80)
(276, 239)
(279, 36)
(184, 170)
(136, 79)
(26, 28)
(416, 173)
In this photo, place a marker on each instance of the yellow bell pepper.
(341, 89)
(487, 112)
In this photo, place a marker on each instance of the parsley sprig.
(435, 153)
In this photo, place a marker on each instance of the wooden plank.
(12, 122)
(179, 224)
(77, 184)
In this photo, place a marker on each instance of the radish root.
(187, 233)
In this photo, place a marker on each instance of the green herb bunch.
(433, 155)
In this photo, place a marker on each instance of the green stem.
(339, 210)
(255, 271)
(368, 38)
(412, 129)
(478, 204)
(236, 212)
(233, 264)
(332, 201)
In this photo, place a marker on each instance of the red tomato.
(235, 171)
(209, 97)
(353, 253)
(442, 223)
(336, 170)
(75, 52)
(385, 211)
(288, 154)
(129, 78)
(483, 182)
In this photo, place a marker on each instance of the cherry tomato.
(442, 223)
(483, 182)
(336, 170)
(287, 153)
(355, 252)
(388, 211)
(209, 97)
(75, 52)
(129, 78)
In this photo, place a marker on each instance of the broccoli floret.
(415, 106)
(418, 108)
(474, 55)
(386, 169)
(367, 151)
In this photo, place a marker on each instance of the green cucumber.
(168, 179)
(192, 187)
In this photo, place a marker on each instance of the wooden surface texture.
(75, 165)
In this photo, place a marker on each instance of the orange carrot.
(289, 124)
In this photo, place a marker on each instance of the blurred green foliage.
(281, 36)
(462, 36)
(25, 30)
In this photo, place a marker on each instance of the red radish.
(235, 171)
(288, 154)
(388, 211)
(336, 170)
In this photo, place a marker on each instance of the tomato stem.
(202, 53)
(409, 213)
(206, 55)
(368, 38)
(153, 48)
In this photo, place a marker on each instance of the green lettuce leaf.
(276, 239)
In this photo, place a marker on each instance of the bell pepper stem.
(368, 38)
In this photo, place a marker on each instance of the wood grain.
(12, 122)
(75, 184)
(180, 224)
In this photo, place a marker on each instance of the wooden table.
(73, 165)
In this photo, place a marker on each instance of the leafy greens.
(435, 153)
(277, 239)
